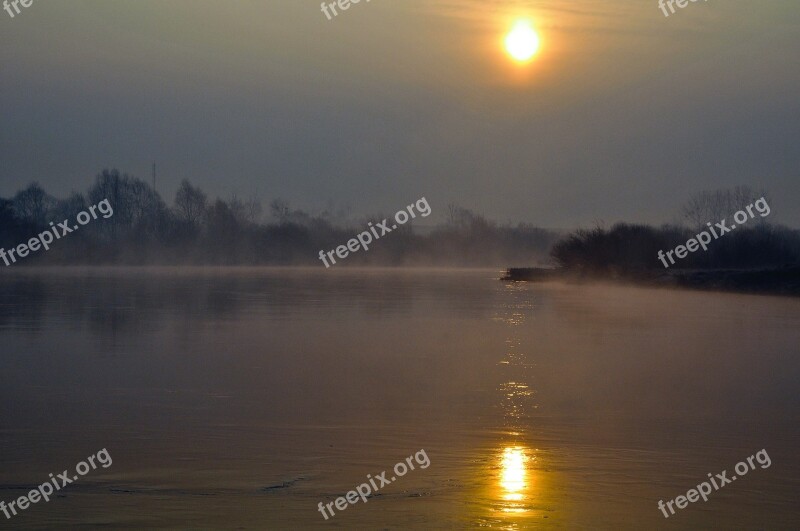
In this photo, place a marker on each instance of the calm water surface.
(240, 398)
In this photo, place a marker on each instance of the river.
(239, 398)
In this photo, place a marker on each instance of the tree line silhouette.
(627, 249)
(197, 230)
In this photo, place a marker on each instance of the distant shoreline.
(771, 281)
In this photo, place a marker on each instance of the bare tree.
(714, 205)
(280, 210)
(134, 201)
(191, 203)
(454, 215)
(69, 207)
(33, 203)
(465, 219)
(246, 212)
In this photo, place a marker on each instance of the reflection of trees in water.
(129, 303)
(22, 303)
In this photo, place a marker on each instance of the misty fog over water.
(245, 396)
(388, 265)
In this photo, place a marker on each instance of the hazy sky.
(622, 114)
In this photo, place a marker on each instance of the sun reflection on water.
(513, 479)
(513, 494)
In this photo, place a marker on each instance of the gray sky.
(621, 115)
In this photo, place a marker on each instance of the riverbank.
(776, 281)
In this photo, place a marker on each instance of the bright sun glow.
(512, 473)
(522, 42)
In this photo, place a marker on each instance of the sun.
(522, 42)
